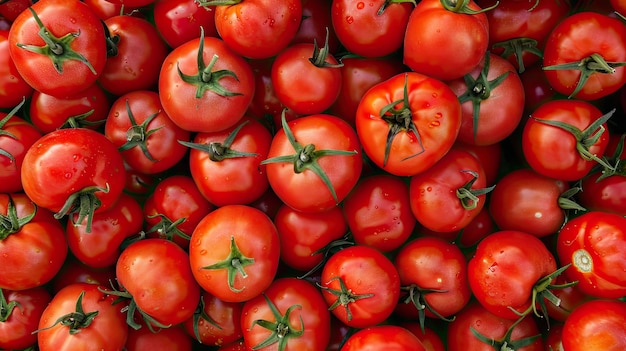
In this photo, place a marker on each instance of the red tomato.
(166, 339)
(371, 29)
(378, 212)
(217, 322)
(81, 317)
(21, 311)
(189, 86)
(13, 88)
(383, 337)
(74, 271)
(455, 185)
(234, 252)
(509, 271)
(564, 139)
(290, 315)
(85, 167)
(179, 21)
(314, 152)
(490, 157)
(431, 50)
(429, 337)
(408, 122)
(79, 53)
(582, 55)
(258, 28)
(144, 133)
(361, 286)
(11, 9)
(316, 24)
(596, 325)
(593, 243)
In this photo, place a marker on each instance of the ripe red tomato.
(383, 337)
(71, 57)
(234, 252)
(217, 322)
(317, 24)
(408, 122)
(21, 312)
(179, 21)
(592, 243)
(596, 325)
(13, 88)
(166, 339)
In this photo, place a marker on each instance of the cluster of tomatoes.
(312, 175)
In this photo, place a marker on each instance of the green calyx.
(200, 314)
(57, 49)
(80, 121)
(468, 196)
(399, 120)
(234, 263)
(137, 135)
(328, 250)
(11, 223)
(6, 308)
(593, 64)
(3, 132)
(84, 203)
(479, 89)
(462, 7)
(517, 47)
(77, 320)
(505, 343)
(306, 157)
(206, 79)
(616, 165)
(168, 229)
(320, 55)
(221, 151)
(385, 4)
(282, 329)
(218, 2)
(131, 309)
(344, 295)
(417, 297)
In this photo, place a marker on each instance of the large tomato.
(596, 325)
(19, 316)
(408, 122)
(383, 337)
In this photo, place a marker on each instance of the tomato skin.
(551, 151)
(21, 136)
(365, 32)
(179, 98)
(107, 331)
(226, 316)
(363, 270)
(605, 195)
(383, 337)
(593, 243)
(156, 273)
(179, 21)
(316, 22)
(504, 270)
(12, 86)
(596, 325)
(37, 69)
(16, 331)
(436, 113)
(427, 42)
(490, 157)
(311, 316)
(258, 28)
(74, 271)
(378, 212)
(256, 237)
(166, 339)
(578, 36)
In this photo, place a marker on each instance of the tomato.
(428, 336)
(101, 248)
(81, 317)
(179, 21)
(290, 315)
(314, 152)
(306, 78)
(433, 274)
(189, 86)
(128, 69)
(476, 329)
(305, 235)
(156, 274)
(74, 271)
(360, 285)
(16, 137)
(258, 28)
(65, 57)
(564, 139)
(234, 252)
(133, 3)
(316, 24)
(596, 325)
(584, 56)
(509, 271)
(592, 243)
(378, 212)
(32, 249)
(527, 201)
(217, 322)
(537, 89)
(383, 337)
(226, 165)
(11, 9)
(105, 9)
(85, 167)
(21, 311)
(166, 339)
(570, 297)
(408, 122)
(492, 99)
(490, 157)
(145, 135)
(13, 88)
(619, 6)
(456, 185)
(88, 109)
(429, 47)
(371, 29)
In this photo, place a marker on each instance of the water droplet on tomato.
(67, 175)
(360, 5)
(429, 188)
(438, 115)
(203, 252)
(349, 19)
(434, 124)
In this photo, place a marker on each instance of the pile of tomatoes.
(312, 175)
